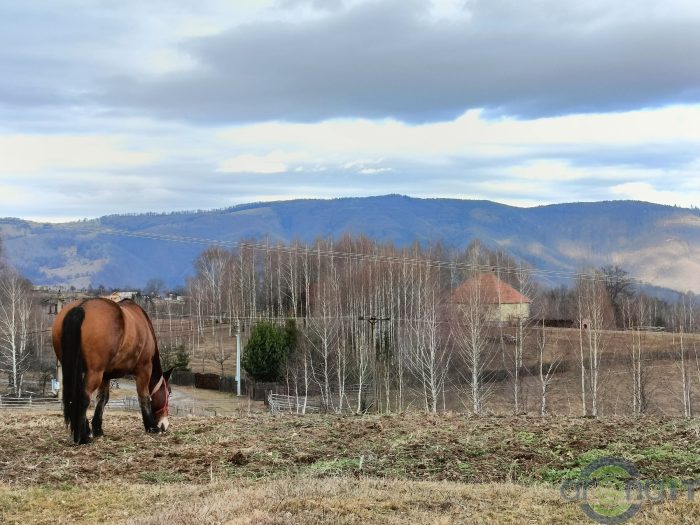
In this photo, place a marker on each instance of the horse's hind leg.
(92, 383)
(83, 436)
(102, 399)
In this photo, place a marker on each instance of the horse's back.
(101, 330)
(116, 338)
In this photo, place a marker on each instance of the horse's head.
(159, 401)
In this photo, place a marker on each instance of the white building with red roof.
(502, 302)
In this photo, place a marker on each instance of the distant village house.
(502, 303)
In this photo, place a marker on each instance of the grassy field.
(320, 469)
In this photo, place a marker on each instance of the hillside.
(411, 468)
(658, 244)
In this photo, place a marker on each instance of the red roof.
(491, 290)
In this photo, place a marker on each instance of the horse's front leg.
(102, 400)
(149, 421)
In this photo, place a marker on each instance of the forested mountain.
(655, 243)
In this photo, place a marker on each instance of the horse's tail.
(73, 365)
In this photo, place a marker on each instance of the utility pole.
(238, 357)
(57, 384)
(373, 320)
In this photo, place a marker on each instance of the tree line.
(363, 325)
(380, 325)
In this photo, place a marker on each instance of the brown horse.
(97, 340)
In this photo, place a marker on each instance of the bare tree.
(221, 355)
(323, 326)
(525, 286)
(546, 369)
(594, 317)
(473, 317)
(684, 320)
(15, 312)
(635, 313)
(429, 356)
(211, 267)
(620, 287)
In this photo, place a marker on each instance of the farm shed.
(503, 303)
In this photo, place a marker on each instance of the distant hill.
(658, 244)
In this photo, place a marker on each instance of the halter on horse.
(97, 340)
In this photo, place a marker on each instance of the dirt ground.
(313, 468)
(195, 400)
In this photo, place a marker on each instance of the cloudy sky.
(129, 106)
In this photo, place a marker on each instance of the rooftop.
(491, 290)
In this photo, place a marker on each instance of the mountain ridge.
(657, 243)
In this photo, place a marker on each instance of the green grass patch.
(334, 467)
(668, 453)
(526, 438)
(557, 475)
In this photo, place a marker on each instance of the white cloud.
(373, 171)
(275, 162)
(643, 191)
(46, 154)
(472, 135)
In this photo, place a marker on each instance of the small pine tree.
(172, 356)
(291, 337)
(182, 359)
(266, 352)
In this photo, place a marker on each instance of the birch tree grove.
(419, 343)
(439, 336)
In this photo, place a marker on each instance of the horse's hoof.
(153, 430)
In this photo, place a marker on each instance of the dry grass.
(376, 501)
(321, 469)
(310, 501)
(447, 447)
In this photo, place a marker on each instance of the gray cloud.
(75, 69)
(50, 54)
(320, 5)
(391, 59)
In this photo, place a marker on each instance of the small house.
(501, 302)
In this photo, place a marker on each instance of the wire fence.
(126, 403)
(280, 403)
(175, 409)
(30, 403)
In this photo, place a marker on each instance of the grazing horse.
(97, 340)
